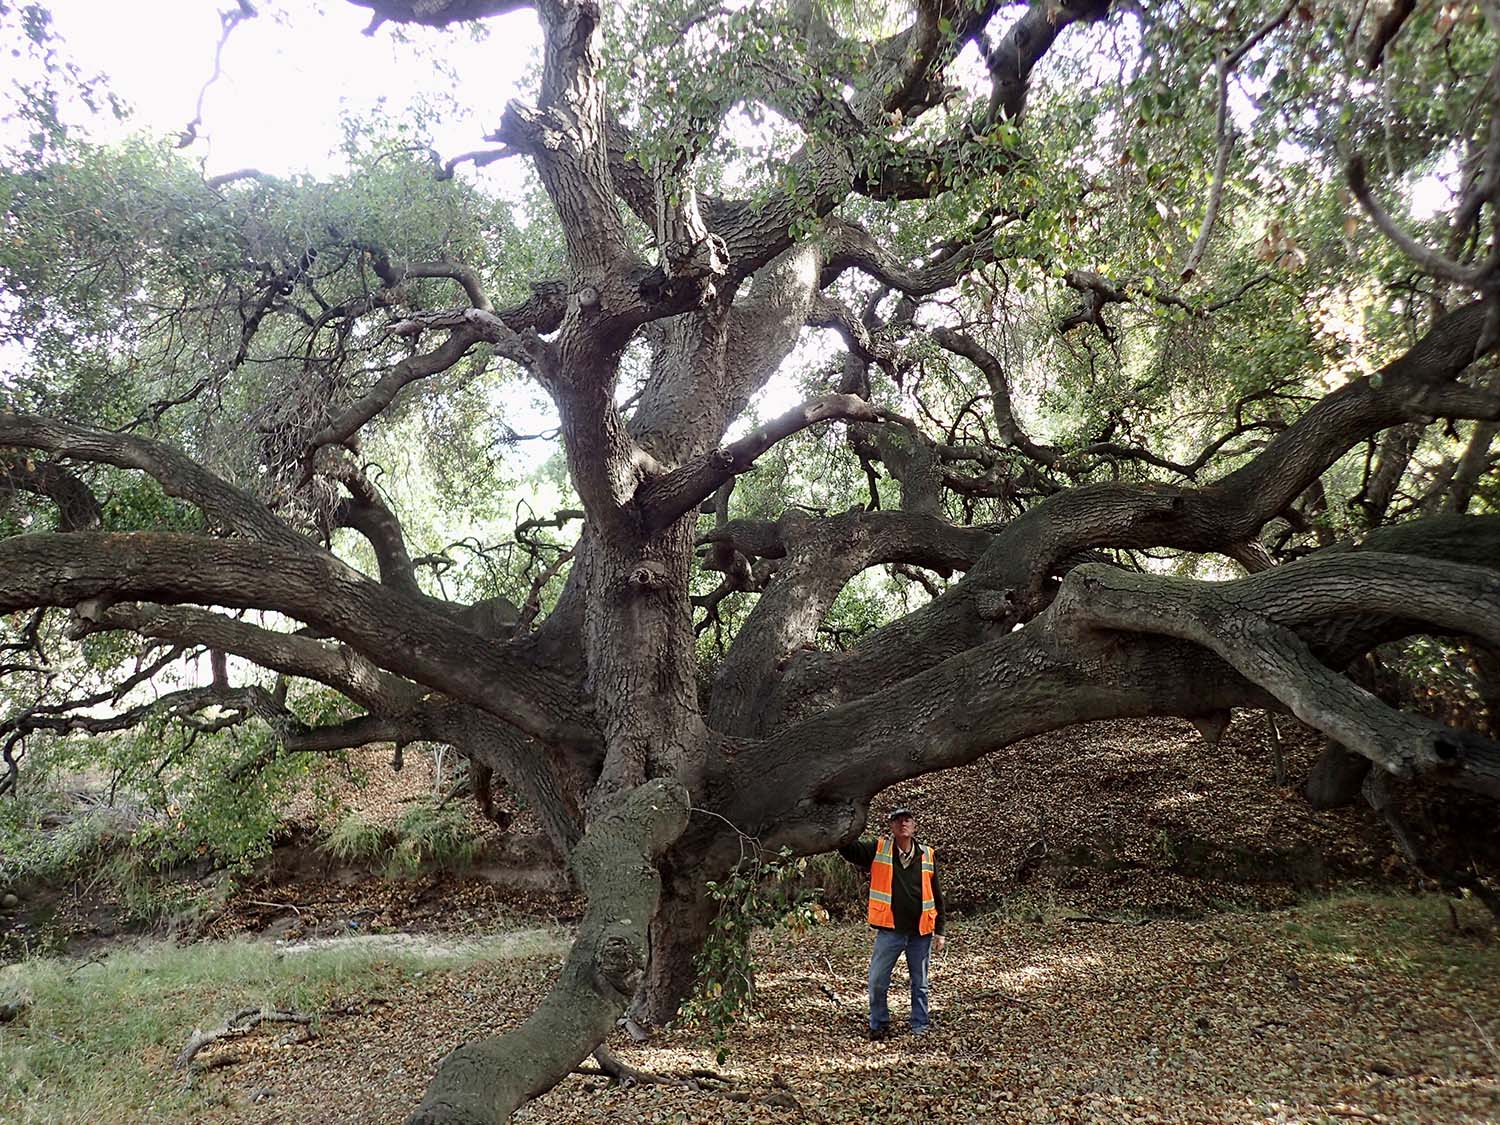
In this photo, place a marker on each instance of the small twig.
(850, 1008)
(97, 959)
(228, 21)
(1488, 1042)
(1278, 760)
(277, 905)
(463, 786)
(1225, 134)
(1377, 793)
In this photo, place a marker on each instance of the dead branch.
(1226, 134)
(241, 1023)
(228, 21)
(1278, 760)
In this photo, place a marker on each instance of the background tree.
(1128, 300)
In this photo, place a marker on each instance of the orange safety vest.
(882, 871)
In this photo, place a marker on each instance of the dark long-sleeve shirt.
(906, 885)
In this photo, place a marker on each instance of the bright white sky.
(287, 78)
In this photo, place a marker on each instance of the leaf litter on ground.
(1230, 995)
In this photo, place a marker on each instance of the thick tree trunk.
(596, 716)
(638, 636)
(678, 933)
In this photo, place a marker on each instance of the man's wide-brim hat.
(897, 814)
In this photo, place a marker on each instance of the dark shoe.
(876, 1034)
(920, 1030)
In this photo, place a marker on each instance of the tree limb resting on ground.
(482, 1082)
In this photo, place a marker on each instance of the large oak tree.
(1116, 301)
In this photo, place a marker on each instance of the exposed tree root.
(623, 1074)
(236, 1025)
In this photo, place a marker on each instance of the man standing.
(906, 909)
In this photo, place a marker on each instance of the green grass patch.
(429, 834)
(353, 839)
(1400, 931)
(98, 1039)
(33, 856)
(426, 835)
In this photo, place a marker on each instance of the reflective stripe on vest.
(882, 872)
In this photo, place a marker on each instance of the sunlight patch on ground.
(1178, 800)
(517, 943)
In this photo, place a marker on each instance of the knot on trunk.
(648, 576)
(617, 966)
(994, 605)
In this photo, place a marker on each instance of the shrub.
(357, 840)
(427, 834)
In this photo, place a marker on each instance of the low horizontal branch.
(1132, 645)
(332, 665)
(177, 474)
(184, 704)
(1249, 624)
(309, 585)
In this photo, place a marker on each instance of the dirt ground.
(1352, 1009)
(1141, 932)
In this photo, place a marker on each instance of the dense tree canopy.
(1145, 364)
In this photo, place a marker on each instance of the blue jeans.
(889, 945)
